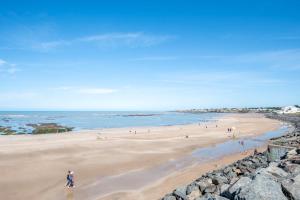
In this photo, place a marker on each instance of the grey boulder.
(232, 190)
(262, 187)
(211, 197)
(292, 188)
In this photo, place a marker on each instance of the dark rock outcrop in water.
(7, 130)
(44, 128)
(272, 175)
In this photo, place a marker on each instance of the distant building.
(289, 110)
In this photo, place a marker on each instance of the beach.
(117, 163)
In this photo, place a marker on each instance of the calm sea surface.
(18, 120)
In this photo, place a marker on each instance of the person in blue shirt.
(70, 179)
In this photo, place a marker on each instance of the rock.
(223, 188)
(191, 188)
(233, 180)
(219, 180)
(169, 197)
(291, 153)
(194, 194)
(263, 187)
(211, 197)
(210, 189)
(295, 160)
(233, 189)
(292, 188)
(273, 171)
(193, 191)
(237, 171)
(293, 169)
(227, 170)
(180, 192)
(204, 183)
(231, 175)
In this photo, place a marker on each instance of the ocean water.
(18, 120)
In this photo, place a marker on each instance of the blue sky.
(148, 55)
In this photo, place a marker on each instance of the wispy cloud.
(17, 95)
(131, 39)
(2, 62)
(7, 68)
(51, 44)
(86, 90)
(96, 91)
(288, 59)
(229, 79)
(155, 58)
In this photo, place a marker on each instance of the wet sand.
(123, 163)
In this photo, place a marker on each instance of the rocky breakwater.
(260, 176)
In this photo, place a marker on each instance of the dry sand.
(123, 163)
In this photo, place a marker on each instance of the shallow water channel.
(134, 180)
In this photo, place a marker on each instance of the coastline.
(269, 173)
(114, 151)
(183, 177)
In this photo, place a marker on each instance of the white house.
(289, 110)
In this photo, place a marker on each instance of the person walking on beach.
(70, 179)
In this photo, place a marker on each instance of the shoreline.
(184, 175)
(92, 157)
(275, 168)
(38, 127)
(118, 129)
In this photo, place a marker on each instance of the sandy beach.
(121, 163)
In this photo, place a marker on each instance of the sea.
(89, 120)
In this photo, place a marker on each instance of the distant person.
(255, 152)
(242, 143)
(70, 179)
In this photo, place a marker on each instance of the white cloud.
(288, 59)
(131, 39)
(17, 95)
(66, 88)
(111, 36)
(126, 39)
(155, 58)
(2, 62)
(7, 68)
(96, 91)
(228, 79)
(86, 90)
(51, 45)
